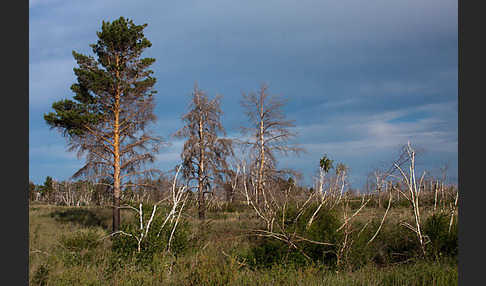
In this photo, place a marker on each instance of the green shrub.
(232, 207)
(211, 269)
(80, 246)
(41, 275)
(269, 251)
(442, 242)
(360, 253)
(402, 203)
(83, 217)
(126, 247)
(394, 244)
(81, 239)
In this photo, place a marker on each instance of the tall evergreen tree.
(204, 154)
(47, 189)
(113, 104)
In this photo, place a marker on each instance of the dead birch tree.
(414, 189)
(269, 134)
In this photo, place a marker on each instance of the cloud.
(386, 129)
(363, 140)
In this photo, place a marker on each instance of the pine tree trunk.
(116, 184)
(116, 163)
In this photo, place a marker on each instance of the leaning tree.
(112, 107)
(204, 154)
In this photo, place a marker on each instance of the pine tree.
(47, 189)
(113, 104)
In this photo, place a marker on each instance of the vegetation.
(336, 238)
(75, 248)
(257, 226)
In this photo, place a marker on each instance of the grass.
(68, 247)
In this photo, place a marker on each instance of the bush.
(232, 207)
(269, 251)
(126, 247)
(360, 253)
(395, 244)
(83, 217)
(80, 246)
(442, 242)
(41, 275)
(81, 239)
(210, 269)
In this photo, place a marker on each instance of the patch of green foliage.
(125, 247)
(268, 251)
(442, 241)
(84, 217)
(80, 246)
(40, 275)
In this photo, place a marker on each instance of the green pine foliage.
(97, 78)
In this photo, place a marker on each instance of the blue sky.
(361, 77)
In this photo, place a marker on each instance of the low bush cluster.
(125, 247)
(443, 242)
(267, 251)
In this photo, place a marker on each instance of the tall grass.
(68, 249)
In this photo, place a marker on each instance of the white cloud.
(351, 135)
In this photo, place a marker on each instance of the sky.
(361, 78)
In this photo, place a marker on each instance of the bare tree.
(414, 190)
(269, 134)
(204, 154)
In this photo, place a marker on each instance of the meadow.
(72, 246)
